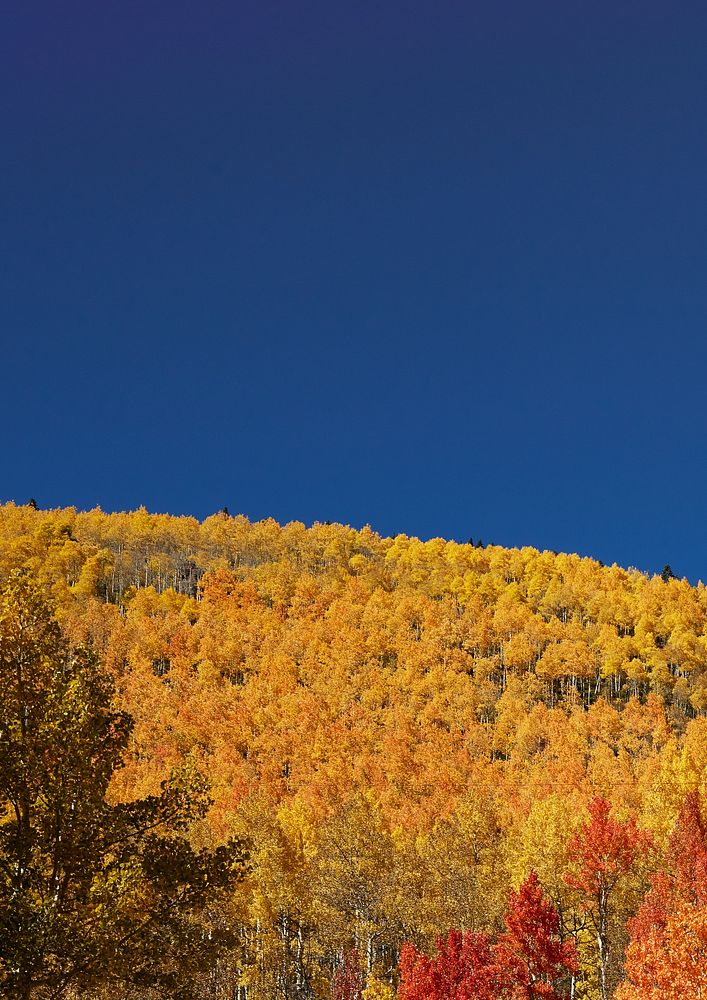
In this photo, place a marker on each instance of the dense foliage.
(408, 732)
(90, 892)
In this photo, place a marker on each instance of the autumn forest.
(246, 761)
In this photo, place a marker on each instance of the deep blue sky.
(439, 267)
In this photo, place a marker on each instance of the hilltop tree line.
(455, 768)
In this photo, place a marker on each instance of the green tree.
(90, 892)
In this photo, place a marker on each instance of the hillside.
(404, 729)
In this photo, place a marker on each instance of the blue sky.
(439, 268)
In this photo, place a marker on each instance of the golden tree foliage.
(405, 729)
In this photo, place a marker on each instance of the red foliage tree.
(463, 968)
(531, 951)
(667, 956)
(349, 979)
(528, 962)
(688, 851)
(602, 854)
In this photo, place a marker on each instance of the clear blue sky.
(438, 267)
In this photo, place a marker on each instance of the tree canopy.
(407, 732)
(90, 891)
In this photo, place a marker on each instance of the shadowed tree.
(90, 892)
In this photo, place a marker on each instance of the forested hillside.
(415, 738)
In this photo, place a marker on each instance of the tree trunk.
(602, 942)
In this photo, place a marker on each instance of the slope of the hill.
(404, 728)
(582, 629)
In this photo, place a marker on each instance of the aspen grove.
(245, 761)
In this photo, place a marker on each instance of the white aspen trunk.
(299, 972)
(602, 943)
